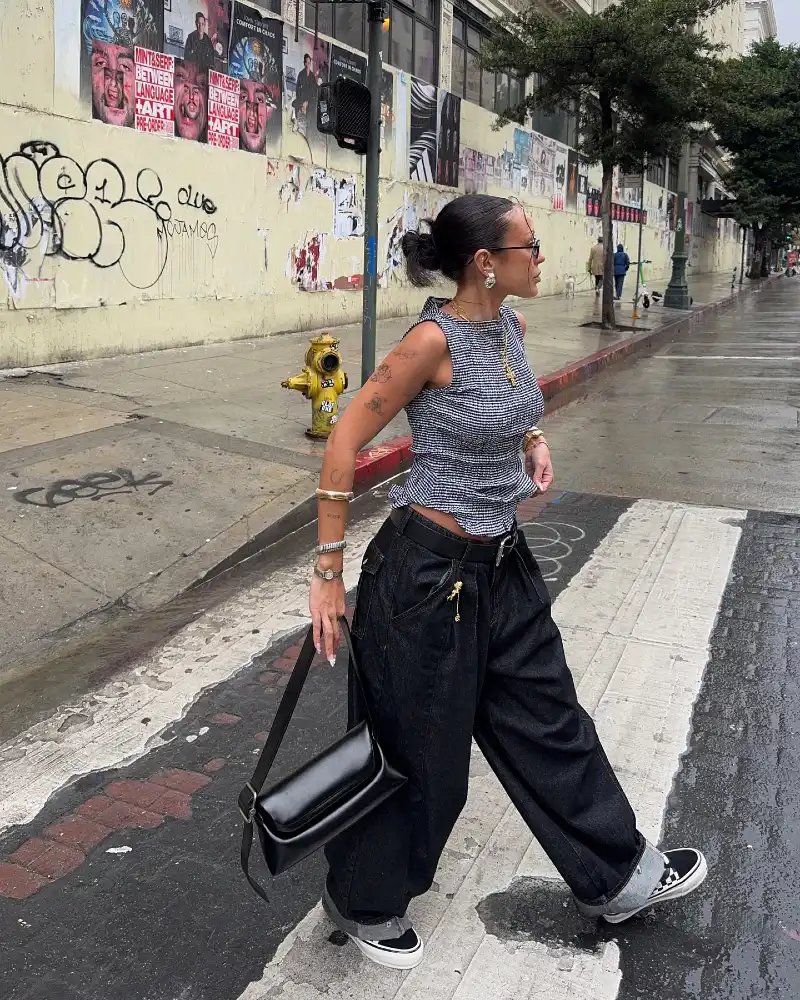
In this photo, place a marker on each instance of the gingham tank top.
(467, 436)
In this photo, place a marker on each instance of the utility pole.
(375, 17)
(639, 253)
(676, 295)
(744, 247)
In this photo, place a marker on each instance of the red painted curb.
(385, 460)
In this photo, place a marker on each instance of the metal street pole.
(639, 253)
(676, 294)
(744, 247)
(375, 17)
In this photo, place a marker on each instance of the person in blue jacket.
(622, 263)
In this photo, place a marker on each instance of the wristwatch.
(530, 437)
(328, 574)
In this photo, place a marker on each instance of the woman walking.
(452, 622)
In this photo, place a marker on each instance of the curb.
(385, 460)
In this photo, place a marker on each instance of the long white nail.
(332, 660)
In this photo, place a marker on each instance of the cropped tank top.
(467, 436)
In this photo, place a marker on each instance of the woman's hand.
(538, 465)
(326, 603)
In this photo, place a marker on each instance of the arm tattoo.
(382, 374)
(405, 354)
(334, 517)
(337, 476)
(375, 404)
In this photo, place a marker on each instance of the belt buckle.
(505, 546)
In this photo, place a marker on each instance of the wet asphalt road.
(710, 420)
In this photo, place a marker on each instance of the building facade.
(163, 181)
(760, 22)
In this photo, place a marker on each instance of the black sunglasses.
(535, 248)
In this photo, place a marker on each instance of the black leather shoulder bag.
(305, 810)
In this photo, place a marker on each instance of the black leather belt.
(407, 522)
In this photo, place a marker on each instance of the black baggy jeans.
(442, 664)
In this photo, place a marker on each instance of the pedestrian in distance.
(452, 625)
(622, 263)
(597, 264)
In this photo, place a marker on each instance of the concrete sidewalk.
(127, 480)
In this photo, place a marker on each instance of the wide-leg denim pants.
(444, 663)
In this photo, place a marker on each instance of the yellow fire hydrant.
(322, 381)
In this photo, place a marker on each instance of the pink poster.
(223, 111)
(155, 92)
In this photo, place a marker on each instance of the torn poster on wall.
(474, 167)
(256, 61)
(304, 261)
(348, 219)
(424, 108)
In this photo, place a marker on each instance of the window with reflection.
(410, 44)
(493, 91)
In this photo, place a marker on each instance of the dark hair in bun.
(464, 226)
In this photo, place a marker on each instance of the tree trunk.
(758, 255)
(609, 319)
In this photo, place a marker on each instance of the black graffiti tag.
(196, 200)
(205, 231)
(51, 204)
(94, 486)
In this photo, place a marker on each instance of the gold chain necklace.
(512, 378)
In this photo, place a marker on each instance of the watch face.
(328, 574)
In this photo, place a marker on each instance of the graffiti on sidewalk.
(93, 486)
(551, 542)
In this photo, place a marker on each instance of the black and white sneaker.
(685, 869)
(405, 952)
(391, 942)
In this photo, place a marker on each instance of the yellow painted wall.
(126, 264)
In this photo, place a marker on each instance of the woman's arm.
(417, 360)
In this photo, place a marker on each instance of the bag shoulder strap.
(288, 703)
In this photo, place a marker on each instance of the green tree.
(637, 74)
(755, 115)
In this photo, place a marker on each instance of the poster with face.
(560, 162)
(449, 139)
(191, 100)
(306, 68)
(111, 30)
(572, 181)
(255, 59)
(198, 31)
(424, 114)
(542, 166)
(583, 185)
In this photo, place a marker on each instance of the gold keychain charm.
(456, 596)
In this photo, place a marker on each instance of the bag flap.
(337, 772)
